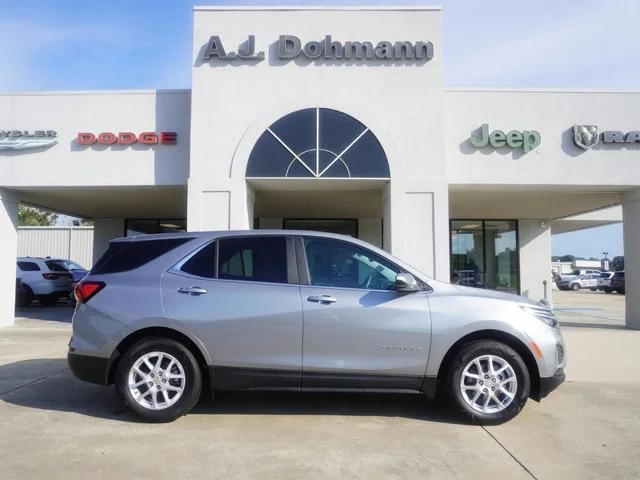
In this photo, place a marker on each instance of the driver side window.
(339, 264)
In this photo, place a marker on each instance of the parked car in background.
(78, 272)
(617, 282)
(589, 281)
(604, 281)
(44, 279)
(161, 316)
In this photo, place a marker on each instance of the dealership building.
(331, 119)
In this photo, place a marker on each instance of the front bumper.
(88, 368)
(549, 384)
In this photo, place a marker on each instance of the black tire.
(607, 290)
(575, 287)
(474, 350)
(25, 297)
(193, 379)
(48, 300)
(594, 289)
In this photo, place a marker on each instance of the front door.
(247, 311)
(358, 331)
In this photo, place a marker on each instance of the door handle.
(322, 299)
(192, 290)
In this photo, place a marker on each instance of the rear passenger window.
(55, 266)
(28, 266)
(258, 259)
(129, 255)
(202, 263)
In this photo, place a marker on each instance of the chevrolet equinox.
(165, 316)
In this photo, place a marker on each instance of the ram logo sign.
(585, 136)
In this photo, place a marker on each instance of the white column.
(8, 252)
(420, 227)
(534, 236)
(631, 223)
(105, 230)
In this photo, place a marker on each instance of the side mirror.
(405, 282)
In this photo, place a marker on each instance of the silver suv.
(164, 316)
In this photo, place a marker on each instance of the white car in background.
(589, 281)
(43, 279)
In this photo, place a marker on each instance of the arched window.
(315, 143)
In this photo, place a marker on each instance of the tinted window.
(202, 263)
(28, 266)
(619, 275)
(124, 256)
(259, 259)
(56, 266)
(339, 264)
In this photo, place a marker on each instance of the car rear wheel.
(575, 287)
(159, 379)
(489, 381)
(25, 297)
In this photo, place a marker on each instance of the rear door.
(240, 296)
(358, 331)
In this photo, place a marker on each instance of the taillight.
(51, 276)
(87, 289)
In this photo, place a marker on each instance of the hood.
(484, 293)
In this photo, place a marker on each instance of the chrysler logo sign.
(290, 47)
(26, 139)
(587, 136)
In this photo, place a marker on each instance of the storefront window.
(318, 142)
(147, 226)
(484, 253)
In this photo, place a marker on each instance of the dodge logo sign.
(127, 138)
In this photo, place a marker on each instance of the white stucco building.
(331, 118)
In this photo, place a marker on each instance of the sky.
(124, 44)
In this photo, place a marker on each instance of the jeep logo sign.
(527, 140)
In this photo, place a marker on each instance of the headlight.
(543, 314)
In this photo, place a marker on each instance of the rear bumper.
(89, 369)
(549, 384)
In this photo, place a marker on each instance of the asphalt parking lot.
(54, 426)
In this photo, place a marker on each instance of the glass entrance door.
(342, 226)
(484, 253)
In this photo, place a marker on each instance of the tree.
(35, 217)
(555, 258)
(617, 264)
(567, 258)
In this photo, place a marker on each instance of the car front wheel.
(489, 381)
(575, 287)
(158, 379)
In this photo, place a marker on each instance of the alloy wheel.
(156, 380)
(488, 384)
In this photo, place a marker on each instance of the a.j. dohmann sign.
(290, 47)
